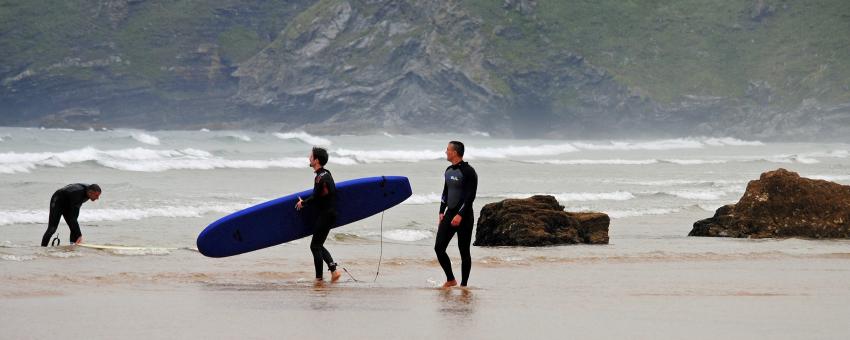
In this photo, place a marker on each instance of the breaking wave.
(408, 235)
(641, 212)
(387, 156)
(304, 137)
(96, 215)
(596, 161)
(576, 196)
(143, 160)
(423, 199)
(145, 138)
(236, 137)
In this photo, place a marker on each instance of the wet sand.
(264, 296)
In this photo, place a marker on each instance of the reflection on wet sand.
(456, 302)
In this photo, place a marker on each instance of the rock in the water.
(783, 204)
(538, 221)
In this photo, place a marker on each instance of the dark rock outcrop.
(538, 221)
(783, 204)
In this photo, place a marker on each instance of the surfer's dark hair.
(321, 154)
(458, 146)
(93, 187)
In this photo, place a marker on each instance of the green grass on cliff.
(662, 48)
(670, 48)
(154, 39)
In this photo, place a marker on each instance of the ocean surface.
(161, 188)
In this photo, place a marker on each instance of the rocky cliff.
(514, 67)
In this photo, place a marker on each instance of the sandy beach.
(161, 188)
(561, 292)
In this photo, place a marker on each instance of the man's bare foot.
(450, 284)
(335, 275)
(318, 282)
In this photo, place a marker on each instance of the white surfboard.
(110, 247)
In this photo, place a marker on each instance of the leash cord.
(380, 255)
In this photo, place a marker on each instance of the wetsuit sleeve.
(72, 223)
(470, 188)
(444, 197)
(307, 200)
(318, 188)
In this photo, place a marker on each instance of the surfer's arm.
(317, 184)
(71, 219)
(444, 199)
(470, 187)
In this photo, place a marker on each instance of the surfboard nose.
(207, 241)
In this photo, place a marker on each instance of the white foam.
(15, 168)
(694, 161)
(831, 178)
(519, 151)
(8, 244)
(239, 137)
(640, 212)
(96, 215)
(596, 161)
(23, 216)
(411, 156)
(304, 137)
(385, 156)
(578, 196)
(832, 154)
(423, 199)
(64, 254)
(731, 142)
(589, 196)
(667, 144)
(408, 235)
(141, 159)
(709, 207)
(141, 252)
(342, 161)
(145, 138)
(803, 159)
(17, 258)
(684, 182)
(705, 195)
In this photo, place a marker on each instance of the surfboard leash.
(55, 242)
(349, 274)
(380, 256)
(381, 253)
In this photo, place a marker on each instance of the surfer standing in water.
(456, 213)
(66, 202)
(324, 199)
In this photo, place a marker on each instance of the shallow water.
(161, 188)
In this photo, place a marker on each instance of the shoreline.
(745, 298)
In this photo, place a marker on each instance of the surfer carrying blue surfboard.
(324, 199)
(456, 213)
(66, 202)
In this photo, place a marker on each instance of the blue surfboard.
(276, 221)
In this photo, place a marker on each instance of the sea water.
(163, 187)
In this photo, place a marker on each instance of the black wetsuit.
(66, 203)
(324, 199)
(461, 184)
